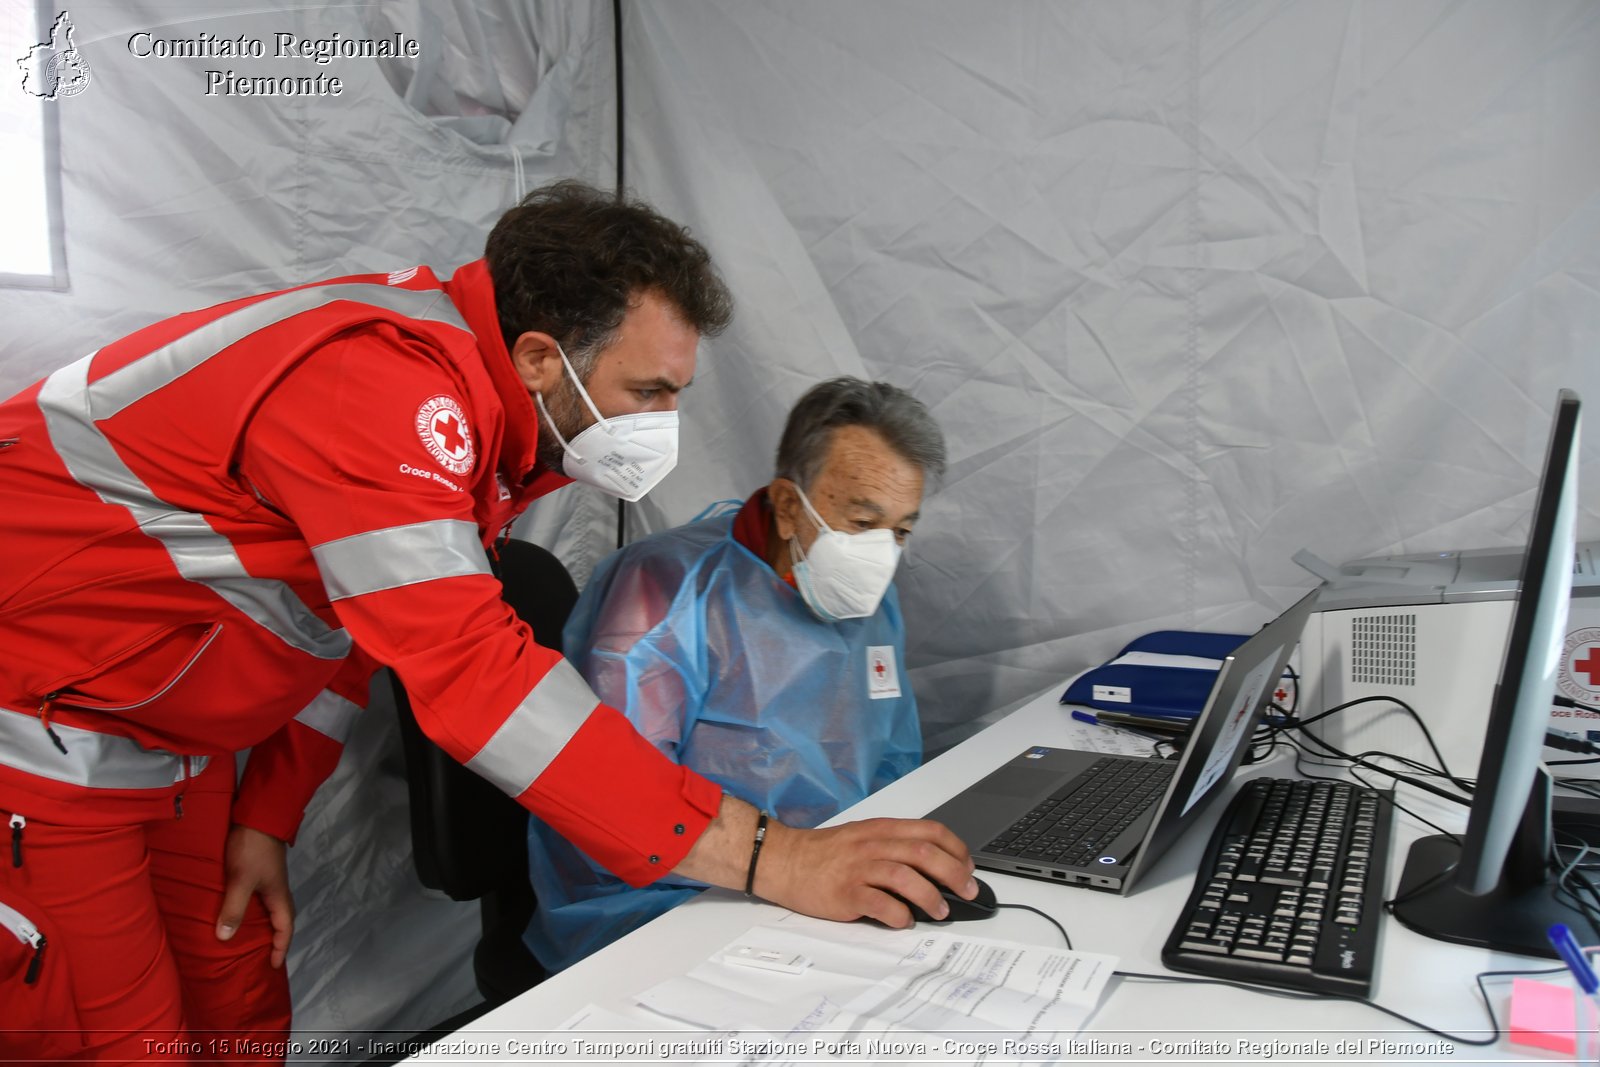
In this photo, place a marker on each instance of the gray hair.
(889, 411)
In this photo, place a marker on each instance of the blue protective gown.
(722, 666)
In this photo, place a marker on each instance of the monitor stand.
(1513, 917)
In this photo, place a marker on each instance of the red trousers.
(132, 969)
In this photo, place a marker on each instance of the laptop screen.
(1222, 732)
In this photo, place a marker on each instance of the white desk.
(1423, 979)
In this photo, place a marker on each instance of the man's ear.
(537, 361)
(785, 507)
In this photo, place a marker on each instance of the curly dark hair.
(567, 260)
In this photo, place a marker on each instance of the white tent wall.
(1189, 286)
(174, 199)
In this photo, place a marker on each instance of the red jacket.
(214, 528)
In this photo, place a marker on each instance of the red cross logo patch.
(442, 426)
(883, 680)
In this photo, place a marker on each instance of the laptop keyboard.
(1071, 827)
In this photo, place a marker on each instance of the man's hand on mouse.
(857, 870)
(843, 872)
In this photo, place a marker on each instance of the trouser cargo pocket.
(40, 1020)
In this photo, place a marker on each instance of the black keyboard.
(1290, 892)
(1072, 826)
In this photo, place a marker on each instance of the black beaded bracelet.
(755, 854)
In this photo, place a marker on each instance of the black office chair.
(470, 840)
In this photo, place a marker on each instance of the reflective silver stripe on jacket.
(165, 365)
(536, 730)
(400, 555)
(72, 406)
(99, 761)
(330, 714)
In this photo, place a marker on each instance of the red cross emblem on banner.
(1589, 665)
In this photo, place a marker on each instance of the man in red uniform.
(218, 526)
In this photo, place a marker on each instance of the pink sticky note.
(1542, 1016)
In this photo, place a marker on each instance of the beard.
(571, 418)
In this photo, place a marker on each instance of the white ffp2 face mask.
(844, 576)
(625, 455)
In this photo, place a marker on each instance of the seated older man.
(766, 650)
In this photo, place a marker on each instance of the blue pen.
(1093, 720)
(1566, 947)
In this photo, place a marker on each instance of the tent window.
(32, 44)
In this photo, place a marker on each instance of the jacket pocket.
(40, 1019)
(140, 674)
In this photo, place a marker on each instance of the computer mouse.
(982, 906)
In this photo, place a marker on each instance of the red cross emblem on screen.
(879, 669)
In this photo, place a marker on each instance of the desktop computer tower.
(1431, 629)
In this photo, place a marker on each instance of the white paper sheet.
(1161, 659)
(1107, 739)
(950, 996)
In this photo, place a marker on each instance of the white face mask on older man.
(844, 576)
(625, 455)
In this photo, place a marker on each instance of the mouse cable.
(1047, 917)
(1483, 993)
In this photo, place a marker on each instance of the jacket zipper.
(177, 798)
(50, 698)
(164, 690)
(44, 720)
(18, 824)
(29, 935)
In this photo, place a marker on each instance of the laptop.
(1083, 818)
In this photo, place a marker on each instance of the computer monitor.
(1493, 886)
